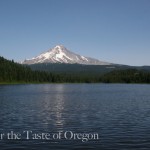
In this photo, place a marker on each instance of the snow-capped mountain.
(60, 54)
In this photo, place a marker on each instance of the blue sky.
(116, 31)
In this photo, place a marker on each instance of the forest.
(11, 73)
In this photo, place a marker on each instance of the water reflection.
(52, 105)
(60, 104)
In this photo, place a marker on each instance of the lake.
(75, 116)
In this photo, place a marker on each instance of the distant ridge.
(60, 54)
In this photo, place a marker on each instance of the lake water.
(75, 116)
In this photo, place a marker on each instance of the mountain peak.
(60, 54)
(58, 48)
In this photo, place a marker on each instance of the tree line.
(11, 72)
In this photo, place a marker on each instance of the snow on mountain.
(60, 54)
